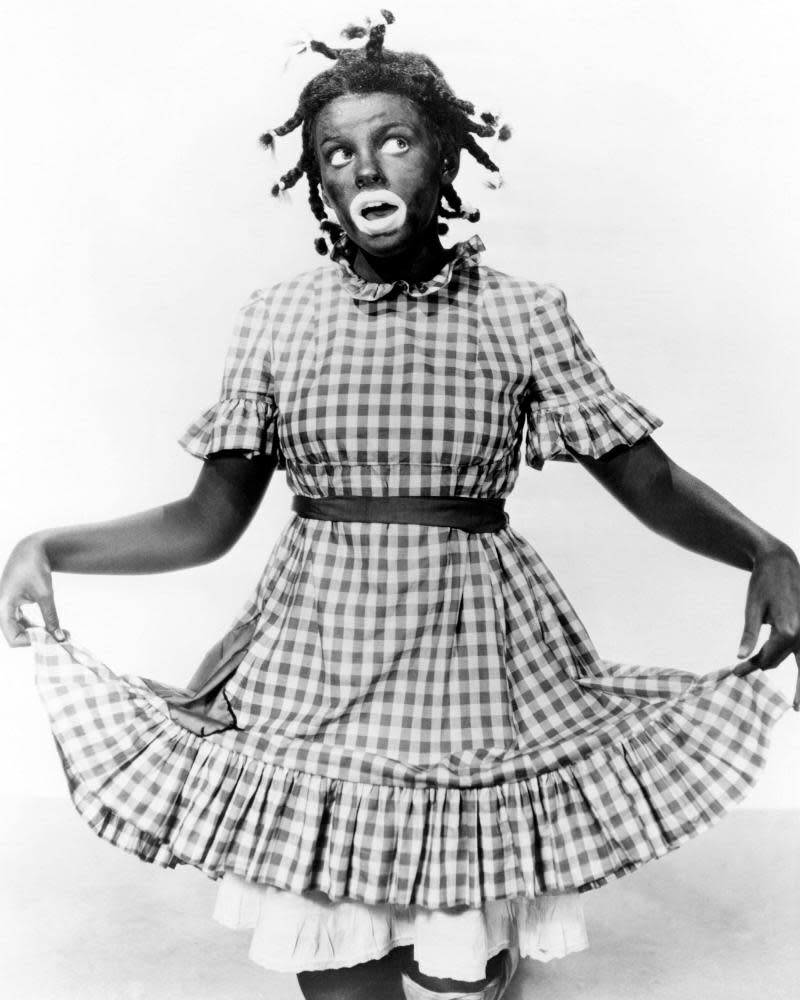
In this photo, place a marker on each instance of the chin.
(387, 250)
(386, 245)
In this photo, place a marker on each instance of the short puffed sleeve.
(244, 418)
(573, 407)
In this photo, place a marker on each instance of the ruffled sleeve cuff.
(591, 426)
(243, 423)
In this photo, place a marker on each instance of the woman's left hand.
(773, 598)
(678, 505)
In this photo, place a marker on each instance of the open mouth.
(376, 212)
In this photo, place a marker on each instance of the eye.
(339, 157)
(395, 144)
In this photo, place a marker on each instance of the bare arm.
(679, 506)
(673, 503)
(191, 531)
(197, 529)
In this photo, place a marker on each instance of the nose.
(368, 173)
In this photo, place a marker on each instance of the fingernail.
(742, 649)
(60, 635)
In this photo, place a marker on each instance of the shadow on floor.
(79, 920)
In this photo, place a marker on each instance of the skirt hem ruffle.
(158, 791)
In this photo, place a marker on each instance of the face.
(381, 169)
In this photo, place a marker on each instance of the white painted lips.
(381, 223)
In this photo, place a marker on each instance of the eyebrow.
(383, 127)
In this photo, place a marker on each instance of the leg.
(500, 971)
(375, 980)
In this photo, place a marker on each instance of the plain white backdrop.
(652, 175)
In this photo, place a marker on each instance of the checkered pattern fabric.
(421, 717)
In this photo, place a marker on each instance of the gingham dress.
(418, 718)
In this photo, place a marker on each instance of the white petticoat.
(299, 933)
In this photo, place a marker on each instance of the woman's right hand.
(27, 579)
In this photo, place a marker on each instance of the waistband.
(475, 514)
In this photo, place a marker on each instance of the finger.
(796, 701)
(773, 652)
(12, 627)
(47, 605)
(23, 620)
(753, 619)
(747, 667)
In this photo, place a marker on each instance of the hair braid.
(288, 126)
(352, 31)
(325, 50)
(460, 210)
(450, 195)
(484, 131)
(315, 200)
(318, 208)
(374, 47)
(289, 179)
(448, 97)
(479, 153)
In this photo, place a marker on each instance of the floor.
(79, 920)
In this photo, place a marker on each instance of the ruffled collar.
(361, 288)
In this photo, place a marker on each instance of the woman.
(407, 718)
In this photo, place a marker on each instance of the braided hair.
(372, 69)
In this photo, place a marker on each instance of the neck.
(418, 263)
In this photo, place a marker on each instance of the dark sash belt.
(467, 513)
